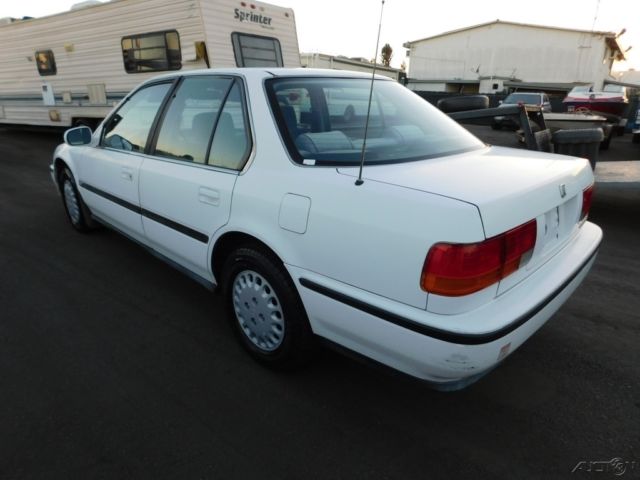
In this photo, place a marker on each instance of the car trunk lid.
(508, 187)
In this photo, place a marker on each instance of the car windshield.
(613, 88)
(530, 98)
(322, 121)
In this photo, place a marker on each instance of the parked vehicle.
(442, 261)
(580, 121)
(563, 121)
(612, 103)
(73, 67)
(612, 100)
(521, 98)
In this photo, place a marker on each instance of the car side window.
(188, 124)
(232, 140)
(129, 127)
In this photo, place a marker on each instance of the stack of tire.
(463, 104)
(583, 143)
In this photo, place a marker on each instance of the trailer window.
(46, 62)
(152, 52)
(256, 51)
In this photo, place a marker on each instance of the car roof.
(270, 73)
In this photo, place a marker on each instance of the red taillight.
(587, 198)
(456, 269)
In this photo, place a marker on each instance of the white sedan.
(442, 259)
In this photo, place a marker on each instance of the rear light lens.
(587, 198)
(457, 269)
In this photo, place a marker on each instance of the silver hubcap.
(71, 201)
(258, 310)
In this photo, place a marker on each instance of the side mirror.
(77, 136)
(500, 102)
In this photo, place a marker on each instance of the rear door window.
(190, 119)
(232, 140)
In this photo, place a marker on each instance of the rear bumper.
(418, 343)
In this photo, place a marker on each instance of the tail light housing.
(457, 269)
(587, 198)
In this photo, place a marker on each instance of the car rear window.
(530, 98)
(322, 121)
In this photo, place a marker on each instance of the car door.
(109, 174)
(200, 145)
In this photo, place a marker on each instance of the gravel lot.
(113, 365)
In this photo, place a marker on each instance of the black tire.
(496, 125)
(252, 278)
(463, 103)
(75, 208)
(635, 138)
(583, 135)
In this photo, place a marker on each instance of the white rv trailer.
(71, 68)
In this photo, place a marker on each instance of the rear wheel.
(77, 211)
(265, 310)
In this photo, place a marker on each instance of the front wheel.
(265, 310)
(77, 211)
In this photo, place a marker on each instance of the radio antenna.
(359, 181)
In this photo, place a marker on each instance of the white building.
(321, 60)
(629, 77)
(499, 55)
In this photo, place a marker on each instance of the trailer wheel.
(92, 123)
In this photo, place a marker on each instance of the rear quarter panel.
(374, 236)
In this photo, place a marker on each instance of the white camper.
(73, 67)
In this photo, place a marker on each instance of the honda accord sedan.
(329, 206)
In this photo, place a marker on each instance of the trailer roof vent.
(85, 4)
